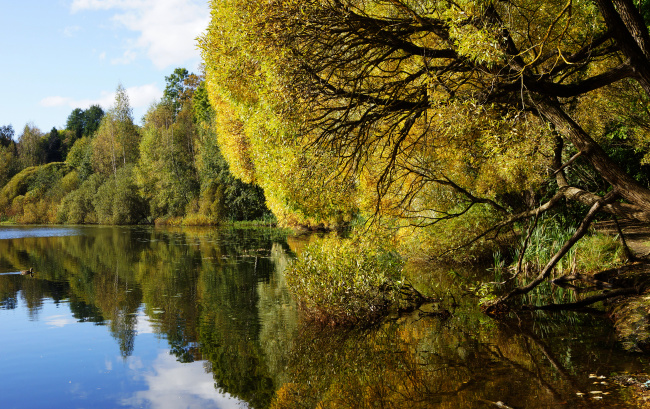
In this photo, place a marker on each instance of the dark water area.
(121, 317)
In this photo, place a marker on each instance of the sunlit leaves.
(346, 281)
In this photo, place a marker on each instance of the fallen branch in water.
(585, 302)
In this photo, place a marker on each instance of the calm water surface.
(201, 318)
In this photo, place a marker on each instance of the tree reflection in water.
(219, 296)
(462, 362)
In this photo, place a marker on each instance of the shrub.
(346, 281)
(77, 207)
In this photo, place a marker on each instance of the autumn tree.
(256, 123)
(438, 111)
(31, 144)
(116, 141)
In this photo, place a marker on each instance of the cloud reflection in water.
(174, 385)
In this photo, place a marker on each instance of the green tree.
(76, 123)
(77, 207)
(92, 119)
(117, 200)
(84, 122)
(54, 147)
(166, 171)
(9, 165)
(180, 88)
(6, 135)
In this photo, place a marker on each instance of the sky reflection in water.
(109, 319)
(54, 361)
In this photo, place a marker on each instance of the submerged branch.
(587, 301)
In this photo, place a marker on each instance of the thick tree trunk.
(626, 186)
(627, 27)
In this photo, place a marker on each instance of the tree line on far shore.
(104, 169)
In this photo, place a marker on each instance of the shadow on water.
(219, 297)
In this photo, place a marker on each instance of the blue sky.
(57, 55)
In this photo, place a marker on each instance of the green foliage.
(31, 146)
(77, 207)
(223, 196)
(6, 135)
(54, 149)
(8, 163)
(17, 186)
(75, 123)
(32, 196)
(346, 281)
(92, 119)
(116, 142)
(595, 252)
(165, 171)
(84, 122)
(203, 112)
(80, 157)
(176, 89)
(117, 200)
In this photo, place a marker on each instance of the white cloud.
(70, 31)
(59, 321)
(139, 97)
(176, 385)
(78, 5)
(144, 324)
(143, 96)
(166, 29)
(127, 58)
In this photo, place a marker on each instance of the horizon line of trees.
(104, 169)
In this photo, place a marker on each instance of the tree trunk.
(627, 187)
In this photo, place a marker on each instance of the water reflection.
(171, 384)
(18, 232)
(462, 362)
(142, 317)
(187, 295)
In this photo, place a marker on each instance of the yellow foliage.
(254, 129)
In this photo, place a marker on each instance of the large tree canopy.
(438, 109)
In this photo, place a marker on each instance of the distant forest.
(104, 169)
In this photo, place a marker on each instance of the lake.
(144, 317)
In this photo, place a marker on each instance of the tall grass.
(594, 252)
